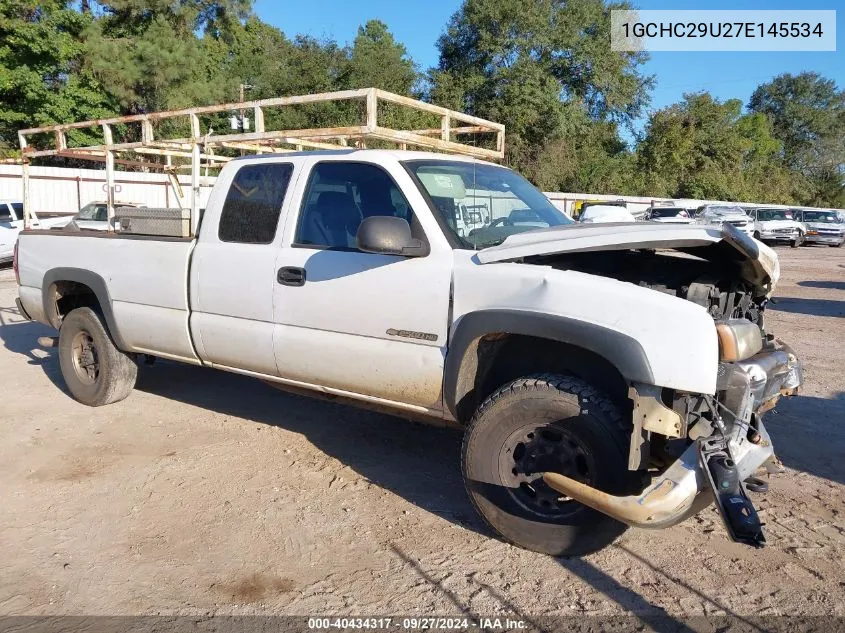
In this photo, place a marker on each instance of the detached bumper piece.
(726, 450)
(737, 511)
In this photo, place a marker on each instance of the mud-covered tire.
(560, 406)
(95, 371)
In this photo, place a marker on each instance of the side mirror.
(389, 235)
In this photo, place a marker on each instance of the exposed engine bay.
(715, 283)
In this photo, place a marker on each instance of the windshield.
(514, 204)
(724, 210)
(669, 212)
(774, 214)
(828, 217)
(93, 211)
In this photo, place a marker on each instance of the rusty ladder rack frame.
(259, 141)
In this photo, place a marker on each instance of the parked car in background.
(669, 215)
(718, 214)
(94, 215)
(823, 227)
(777, 225)
(11, 224)
(527, 217)
(596, 213)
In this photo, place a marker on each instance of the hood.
(780, 224)
(674, 220)
(725, 217)
(759, 262)
(51, 222)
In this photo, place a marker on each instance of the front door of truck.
(233, 267)
(360, 322)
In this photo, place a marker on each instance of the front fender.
(622, 351)
(649, 336)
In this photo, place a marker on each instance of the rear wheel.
(95, 371)
(546, 423)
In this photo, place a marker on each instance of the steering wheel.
(501, 221)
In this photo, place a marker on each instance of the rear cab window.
(250, 214)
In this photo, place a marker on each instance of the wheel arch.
(494, 346)
(66, 288)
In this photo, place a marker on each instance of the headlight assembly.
(738, 339)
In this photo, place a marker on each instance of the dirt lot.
(205, 492)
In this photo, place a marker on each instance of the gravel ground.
(211, 493)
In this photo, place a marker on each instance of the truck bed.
(145, 279)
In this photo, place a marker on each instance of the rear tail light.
(15, 264)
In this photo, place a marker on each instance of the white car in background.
(824, 227)
(719, 214)
(11, 224)
(94, 215)
(777, 225)
(668, 215)
(596, 213)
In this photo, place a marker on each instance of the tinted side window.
(339, 196)
(251, 212)
(5, 215)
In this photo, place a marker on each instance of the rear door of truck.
(233, 270)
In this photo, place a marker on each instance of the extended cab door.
(362, 323)
(233, 270)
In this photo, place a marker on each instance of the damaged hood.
(759, 262)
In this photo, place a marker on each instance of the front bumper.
(780, 237)
(816, 238)
(749, 389)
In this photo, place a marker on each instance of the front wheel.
(537, 424)
(95, 371)
(797, 242)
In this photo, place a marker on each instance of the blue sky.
(419, 24)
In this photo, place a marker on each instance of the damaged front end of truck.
(694, 448)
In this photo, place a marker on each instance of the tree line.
(544, 68)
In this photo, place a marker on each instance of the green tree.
(807, 113)
(41, 80)
(377, 60)
(146, 52)
(703, 148)
(538, 66)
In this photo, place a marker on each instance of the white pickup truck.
(605, 374)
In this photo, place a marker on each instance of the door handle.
(291, 276)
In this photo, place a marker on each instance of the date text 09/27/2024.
(417, 623)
